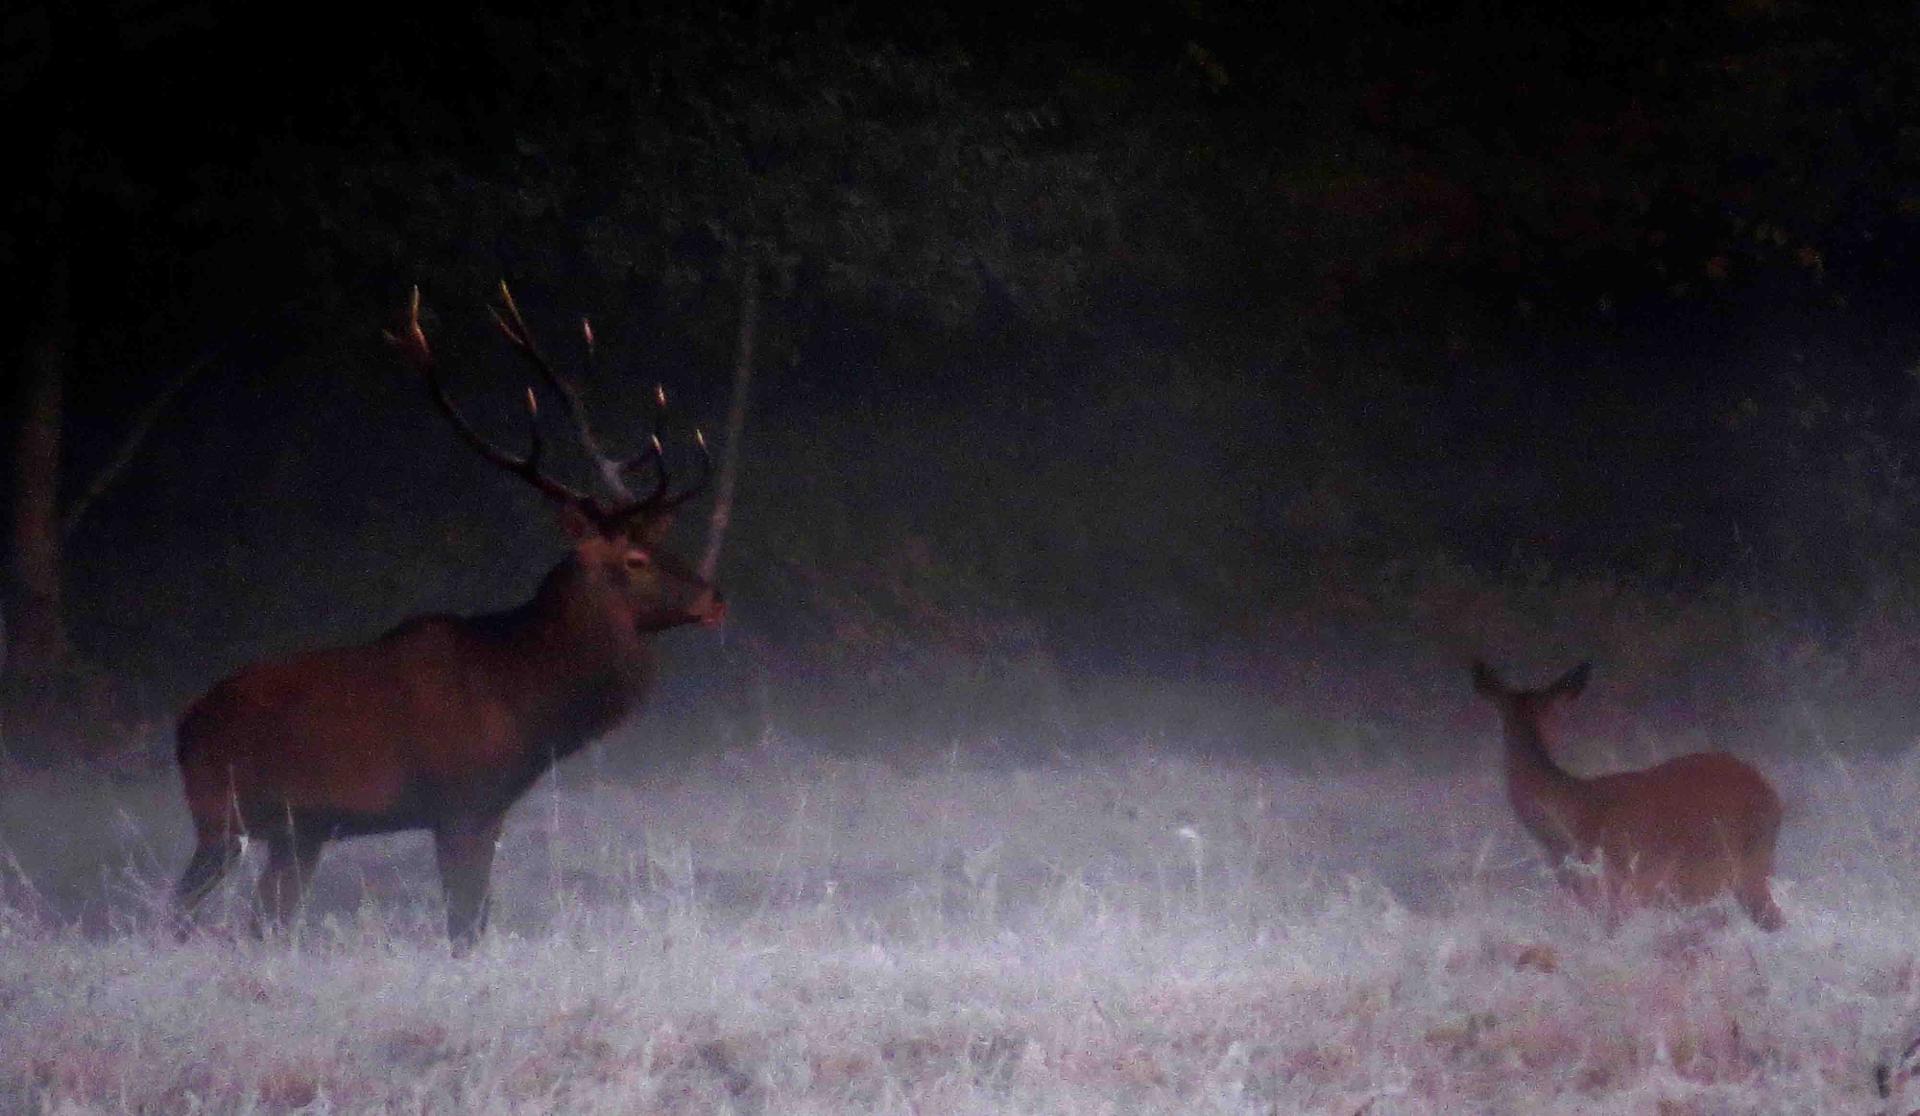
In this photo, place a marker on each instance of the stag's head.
(625, 556)
(618, 539)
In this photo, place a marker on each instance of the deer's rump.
(1708, 811)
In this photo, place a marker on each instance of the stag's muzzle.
(710, 609)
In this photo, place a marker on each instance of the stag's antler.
(412, 343)
(658, 499)
(514, 328)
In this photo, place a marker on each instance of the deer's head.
(1528, 707)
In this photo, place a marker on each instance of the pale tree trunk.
(729, 478)
(758, 686)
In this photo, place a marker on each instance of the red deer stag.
(1677, 833)
(445, 721)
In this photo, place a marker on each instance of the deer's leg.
(1582, 881)
(1754, 891)
(214, 854)
(464, 847)
(291, 856)
(1614, 901)
(1607, 896)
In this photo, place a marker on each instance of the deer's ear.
(1571, 683)
(575, 521)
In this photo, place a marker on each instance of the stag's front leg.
(464, 847)
(292, 855)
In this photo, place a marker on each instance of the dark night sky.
(1213, 307)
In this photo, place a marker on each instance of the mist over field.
(772, 929)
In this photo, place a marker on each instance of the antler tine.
(514, 327)
(661, 478)
(706, 474)
(412, 343)
(655, 455)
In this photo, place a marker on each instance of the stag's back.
(352, 730)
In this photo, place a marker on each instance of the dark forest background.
(1224, 374)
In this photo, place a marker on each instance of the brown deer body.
(444, 722)
(1678, 833)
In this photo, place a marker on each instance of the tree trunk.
(38, 632)
(736, 411)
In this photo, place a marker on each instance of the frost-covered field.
(768, 933)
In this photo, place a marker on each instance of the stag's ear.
(1485, 682)
(575, 521)
(1571, 683)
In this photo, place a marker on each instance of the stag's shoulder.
(440, 630)
(489, 627)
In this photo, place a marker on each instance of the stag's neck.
(572, 664)
(1547, 800)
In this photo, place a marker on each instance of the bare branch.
(109, 474)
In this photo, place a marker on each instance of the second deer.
(1678, 833)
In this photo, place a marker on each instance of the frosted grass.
(782, 933)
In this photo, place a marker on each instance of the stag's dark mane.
(503, 625)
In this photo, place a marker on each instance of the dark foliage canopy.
(1092, 321)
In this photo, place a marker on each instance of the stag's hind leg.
(213, 856)
(1759, 905)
